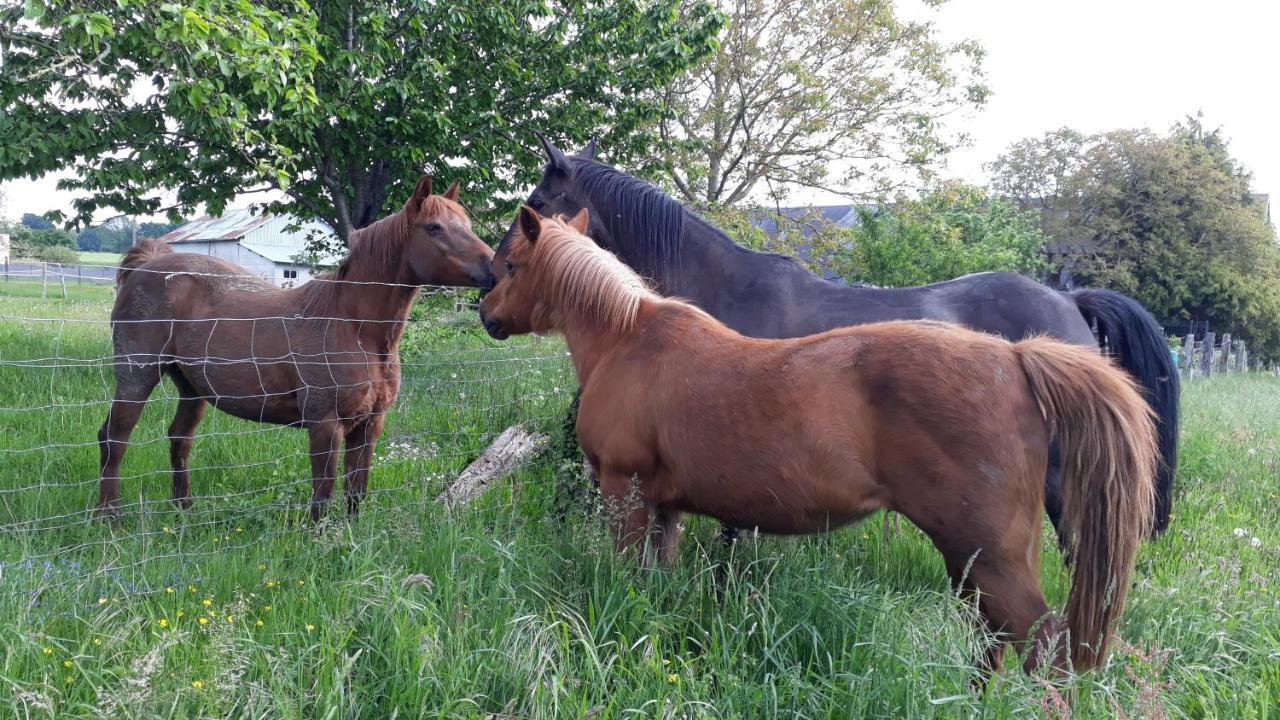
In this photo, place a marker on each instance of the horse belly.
(786, 498)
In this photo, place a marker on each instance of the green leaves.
(954, 230)
(339, 105)
(1168, 219)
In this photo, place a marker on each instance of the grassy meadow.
(242, 608)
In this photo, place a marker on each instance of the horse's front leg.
(628, 512)
(666, 536)
(362, 440)
(326, 438)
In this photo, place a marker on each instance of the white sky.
(1092, 65)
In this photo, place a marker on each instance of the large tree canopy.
(339, 105)
(841, 95)
(1169, 219)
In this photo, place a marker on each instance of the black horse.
(773, 296)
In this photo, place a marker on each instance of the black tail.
(1128, 333)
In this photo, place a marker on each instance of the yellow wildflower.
(164, 622)
(203, 620)
(262, 566)
(190, 589)
(97, 641)
(169, 590)
(67, 663)
(206, 602)
(259, 623)
(70, 679)
(102, 601)
(302, 582)
(197, 684)
(230, 619)
(310, 627)
(266, 608)
(182, 613)
(48, 651)
(673, 678)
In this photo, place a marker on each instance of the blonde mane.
(585, 281)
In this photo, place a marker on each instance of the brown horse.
(323, 356)
(949, 427)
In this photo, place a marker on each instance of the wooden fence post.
(62, 277)
(44, 279)
(1206, 355)
(1188, 360)
(1221, 363)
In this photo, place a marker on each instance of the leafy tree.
(156, 229)
(340, 105)
(60, 254)
(1169, 219)
(954, 230)
(830, 94)
(49, 237)
(35, 222)
(115, 235)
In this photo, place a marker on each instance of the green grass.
(501, 611)
(100, 258)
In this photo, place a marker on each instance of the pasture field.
(110, 259)
(242, 608)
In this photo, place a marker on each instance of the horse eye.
(511, 269)
(434, 228)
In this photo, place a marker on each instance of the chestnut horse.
(947, 426)
(323, 356)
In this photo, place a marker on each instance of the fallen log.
(500, 459)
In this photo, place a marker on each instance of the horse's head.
(517, 305)
(558, 193)
(442, 249)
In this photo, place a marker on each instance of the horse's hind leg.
(362, 440)
(133, 386)
(182, 431)
(995, 555)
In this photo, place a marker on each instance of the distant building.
(268, 246)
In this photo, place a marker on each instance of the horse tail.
(139, 254)
(1108, 440)
(1129, 334)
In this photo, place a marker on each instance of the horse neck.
(589, 343)
(378, 289)
(702, 248)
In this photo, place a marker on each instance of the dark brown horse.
(323, 356)
(947, 426)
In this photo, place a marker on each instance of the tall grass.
(241, 608)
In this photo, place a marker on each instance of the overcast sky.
(1092, 65)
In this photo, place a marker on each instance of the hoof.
(184, 503)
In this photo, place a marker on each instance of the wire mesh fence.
(250, 481)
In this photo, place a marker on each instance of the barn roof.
(232, 225)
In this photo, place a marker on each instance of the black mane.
(631, 207)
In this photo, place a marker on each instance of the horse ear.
(452, 192)
(579, 222)
(420, 193)
(554, 154)
(588, 151)
(530, 223)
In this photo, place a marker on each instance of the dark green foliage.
(1168, 219)
(35, 222)
(339, 105)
